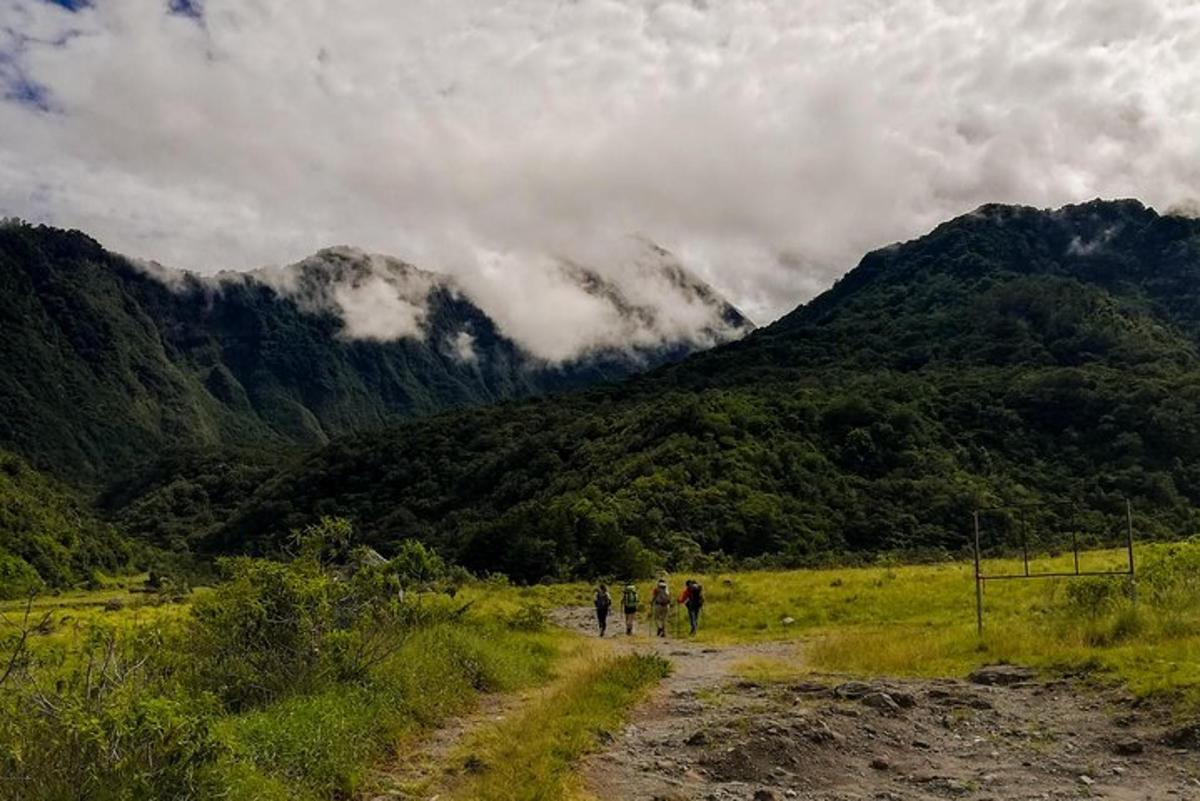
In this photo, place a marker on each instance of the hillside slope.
(108, 363)
(48, 537)
(1010, 355)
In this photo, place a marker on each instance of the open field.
(919, 620)
(557, 698)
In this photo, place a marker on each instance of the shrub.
(104, 728)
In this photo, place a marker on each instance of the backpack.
(603, 600)
(696, 600)
(630, 598)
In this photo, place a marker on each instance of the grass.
(321, 746)
(919, 620)
(529, 757)
(318, 746)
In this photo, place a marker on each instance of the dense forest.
(48, 537)
(1012, 355)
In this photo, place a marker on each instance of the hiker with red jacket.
(693, 598)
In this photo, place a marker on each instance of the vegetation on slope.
(48, 538)
(1009, 356)
(108, 364)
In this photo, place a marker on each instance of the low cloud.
(766, 143)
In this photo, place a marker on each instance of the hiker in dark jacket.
(693, 598)
(603, 604)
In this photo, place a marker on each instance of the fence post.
(978, 582)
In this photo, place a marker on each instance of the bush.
(1170, 580)
(105, 728)
(275, 629)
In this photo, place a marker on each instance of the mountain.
(109, 362)
(1010, 355)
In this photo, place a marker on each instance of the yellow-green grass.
(322, 746)
(919, 620)
(62, 619)
(530, 756)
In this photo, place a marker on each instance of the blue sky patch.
(186, 8)
(70, 5)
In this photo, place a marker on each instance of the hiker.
(603, 603)
(629, 601)
(693, 598)
(662, 603)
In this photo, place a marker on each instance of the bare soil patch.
(706, 734)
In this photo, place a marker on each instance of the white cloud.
(768, 143)
(462, 347)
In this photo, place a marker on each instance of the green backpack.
(630, 597)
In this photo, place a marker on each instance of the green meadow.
(919, 620)
(130, 694)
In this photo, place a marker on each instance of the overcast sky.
(768, 143)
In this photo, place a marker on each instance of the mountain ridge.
(997, 359)
(112, 361)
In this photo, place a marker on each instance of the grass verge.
(529, 757)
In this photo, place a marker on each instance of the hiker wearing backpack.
(661, 601)
(603, 603)
(693, 598)
(629, 602)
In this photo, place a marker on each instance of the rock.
(765, 795)
(1185, 737)
(1086, 780)
(1002, 675)
(921, 744)
(881, 701)
(1128, 747)
(903, 699)
(808, 687)
(787, 621)
(880, 763)
(853, 690)
(698, 738)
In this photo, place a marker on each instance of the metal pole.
(1129, 545)
(1074, 540)
(1024, 542)
(978, 583)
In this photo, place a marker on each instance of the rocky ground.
(1005, 734)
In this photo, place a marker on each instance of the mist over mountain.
(109, 362)
(1010, 355)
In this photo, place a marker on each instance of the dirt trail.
(706, 734)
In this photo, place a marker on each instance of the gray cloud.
(768, 143)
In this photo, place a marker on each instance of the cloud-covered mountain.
(108, 361)
(1011, 355)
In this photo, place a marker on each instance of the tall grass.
(320, 746)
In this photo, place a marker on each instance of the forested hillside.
(47, 536)
(107, 364)
(1011, 355)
